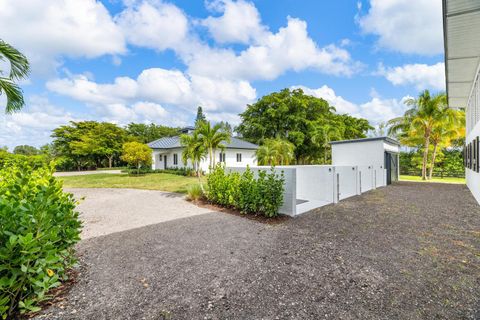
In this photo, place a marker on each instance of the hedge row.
(246, 193)
(38, 229)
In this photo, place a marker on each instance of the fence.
(309, 187)
(436, 173)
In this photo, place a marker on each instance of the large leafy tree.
(146, 133)
(294, 116)
(417, 124)
(323, 135)
(212, 138)
(19, 69)
(88, 143)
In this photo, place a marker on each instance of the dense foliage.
(91, 144)
(448, 163)
(429, 125)
(275, 152)
(38, 229)
(137, 154)
(309, 123)
(263, 195)
(146, 133)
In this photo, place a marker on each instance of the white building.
(167, 153)
(379, 153)
(461, 23)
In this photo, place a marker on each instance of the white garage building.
(381, 154)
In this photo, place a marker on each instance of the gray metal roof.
(387, 139)
(174, 142)
(461, 25)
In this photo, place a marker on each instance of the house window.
(175, 159)
(160, 158)
(239, 157)
(222, 157)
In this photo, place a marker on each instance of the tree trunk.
(138, 168)
(434, 154)
(110, 160)
(425, 157)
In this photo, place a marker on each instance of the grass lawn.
(155, 181)
(439, 180)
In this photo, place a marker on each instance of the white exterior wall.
(473, 131)
(248, 159)
(359, 153)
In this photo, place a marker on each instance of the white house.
(461, 24)
(167, 153)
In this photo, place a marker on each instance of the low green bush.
(38, 229)
(246, 193)
(188, 172)
(195, 192)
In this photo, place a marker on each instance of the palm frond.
(14, 95)
(19, 65)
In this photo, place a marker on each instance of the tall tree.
(19, 69)
(194, 150)
(294, 116)
(449, 127)
(26, 150)
(146, 133)
(200, 117)
(419, 121)
(212, 138)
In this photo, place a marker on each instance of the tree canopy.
(146, 133)
(299, 118)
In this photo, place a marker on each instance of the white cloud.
(239, 23)
(153, 24)
(81, 88)
(47, 30)
(422, 76)
(32, 125)
(161, 86)
(413, 27)
(376, 110)
(290, 48)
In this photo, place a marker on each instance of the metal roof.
(461, 29)
(174, 142)
(387, 139)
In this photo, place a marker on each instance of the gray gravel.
(409, 251)
(106, 211)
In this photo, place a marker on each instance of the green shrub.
(194, 192)
(188, 172)
(263, 195)
(38, 229)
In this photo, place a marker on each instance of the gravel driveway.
(84, 173)
(106, 211)
(408, 251)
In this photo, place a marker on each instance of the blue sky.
(156, 61)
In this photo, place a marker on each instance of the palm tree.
(451, 126)
(419, 121)
(212, 138)
(194, 151)
(323, 135)
(275, 152)
(19, 69)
